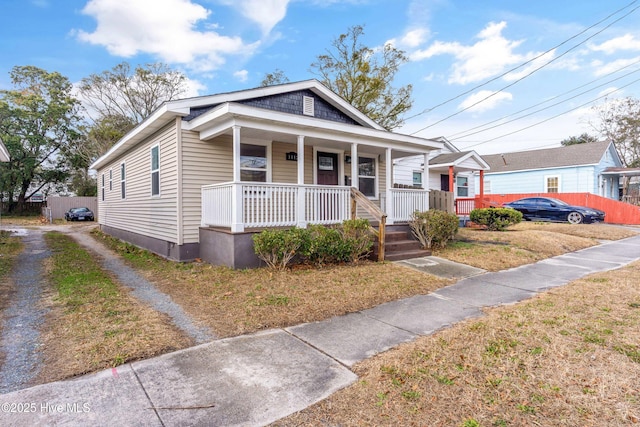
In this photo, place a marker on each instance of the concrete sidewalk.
(257, 379)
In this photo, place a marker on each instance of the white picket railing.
(272, 205)
(404, 202)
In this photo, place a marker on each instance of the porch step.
(400, 245)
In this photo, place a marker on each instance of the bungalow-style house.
(581, 168)
(449, 170)
(199, 175)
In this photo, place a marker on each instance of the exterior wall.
(139, 212)
(572, 180)
(203, 162)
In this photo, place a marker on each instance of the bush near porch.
(434, 228)
(495, 219)
(351, 241)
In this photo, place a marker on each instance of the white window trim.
(110, 180)
(421, 172)
(102, 189)
(546, 182)
(376, 175)
(123, 182)
(340, 154)
(455, 182)
(152, 171)
(264, 143)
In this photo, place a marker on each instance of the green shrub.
(358, 236)
(434, 228)
(278, 247)
(496, 219)
(326, 246)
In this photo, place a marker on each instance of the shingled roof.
(571, 155)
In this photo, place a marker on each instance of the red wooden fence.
(616, 212)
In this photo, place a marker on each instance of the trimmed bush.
(278, 247)
(319, 245)
(433, 228)
(495, 219)
(359, 237)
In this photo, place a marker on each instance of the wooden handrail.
(358, 198)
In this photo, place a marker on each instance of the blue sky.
(455, 46)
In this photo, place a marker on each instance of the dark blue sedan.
(79, 214)
(549, 209)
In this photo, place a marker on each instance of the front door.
(444, 183)
(327, 168)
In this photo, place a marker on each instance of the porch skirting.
(170, 250)
(220, 246)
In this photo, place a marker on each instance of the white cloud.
(492, 101)
(491, 55)
(266, 13)
(530, 68)
(241, 75)
(602, 68)
(194, 88)
(411, 39)
(626, 42)
(167, 30)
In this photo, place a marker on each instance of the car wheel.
(575, 218)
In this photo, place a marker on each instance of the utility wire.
(555, 116)
(455, 135)
(528, 74)
(542, 109)
(426, 110)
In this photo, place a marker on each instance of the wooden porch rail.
(358, 198)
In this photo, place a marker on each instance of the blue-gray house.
(582, 168)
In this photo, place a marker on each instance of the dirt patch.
(566, 358)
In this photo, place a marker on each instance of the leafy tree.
(585, 138)
(275, 78)
(135, 94)
(363, 76)
(41, 128)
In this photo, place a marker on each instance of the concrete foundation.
(170, 250)
(222, 247)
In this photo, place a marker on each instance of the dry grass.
(23, 221)
(526, 243)
(234, 302)
(93, 322)
(569, 357)
(10, 247)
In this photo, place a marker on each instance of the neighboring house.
(448, 169)
(4, 154)
(582, 168)
(199, 175)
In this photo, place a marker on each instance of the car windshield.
(79, 210)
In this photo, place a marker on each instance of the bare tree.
(133, 93)
(275, 78)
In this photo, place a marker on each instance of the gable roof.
(199, 111)
(571, 155)
(457, 158)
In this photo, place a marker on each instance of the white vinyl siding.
(138, 213)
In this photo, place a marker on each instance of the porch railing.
(404, 202)
(255, 205)
(464, 206)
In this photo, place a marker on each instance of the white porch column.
(237, 202)
(389, 185)
(425, 177)
(355, 182)
(300, 202)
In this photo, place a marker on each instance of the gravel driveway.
(25, 314)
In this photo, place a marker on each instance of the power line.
(555, 116)
(530, 73)
(426, 110)
(454, 138)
